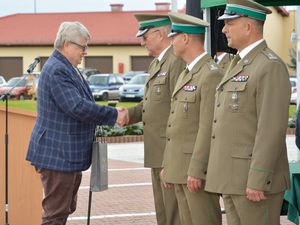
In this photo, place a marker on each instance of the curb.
(290, 131)
(140, 138)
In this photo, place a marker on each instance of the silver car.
(134, 90)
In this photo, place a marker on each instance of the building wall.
(120, 54)
(277, 32)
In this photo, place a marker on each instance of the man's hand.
(255, 195)
(123, 116)
(194, 184)
(166, 184)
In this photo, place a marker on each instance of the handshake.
(123, 116)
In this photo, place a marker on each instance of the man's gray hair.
(70, 31)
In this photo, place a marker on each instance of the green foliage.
(293, 59)
(292, 110)
(136, 129)
(292, 122)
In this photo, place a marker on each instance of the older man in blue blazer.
(61, 141)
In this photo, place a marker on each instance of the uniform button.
(143, 110)
(205, 172)
(146, 98)
(172, 111)
(213, 136)
(215, 120)
(222, 89)
(218, 104)
(158, 81)
(175, 98)
(168, 138)
(269, 182)
(185, 98)
(250, 154)
(169, 125)
(144, 123)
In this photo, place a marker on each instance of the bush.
(136, 129)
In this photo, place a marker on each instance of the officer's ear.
(185, 38)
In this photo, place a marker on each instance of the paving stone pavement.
(129, 198)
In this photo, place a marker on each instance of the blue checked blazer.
(62, 136)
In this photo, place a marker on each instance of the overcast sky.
(8, 7)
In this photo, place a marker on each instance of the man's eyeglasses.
(84, 48)
(144, 37)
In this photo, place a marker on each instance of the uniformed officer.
(189, 124)
(154, 109)
(248, 158)
(223, 59)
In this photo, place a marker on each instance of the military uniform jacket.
(248, 146)
(154, 109)
(190, 121)
(225, 62)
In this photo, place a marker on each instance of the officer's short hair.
(197, 38)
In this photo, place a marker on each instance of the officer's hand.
(255, 195)
(194, 184)
(167, 185)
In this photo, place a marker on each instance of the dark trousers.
(60, 195)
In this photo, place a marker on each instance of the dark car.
(105, 86)
(134, 90)
(21, 90)
(86, 72)
(129, 75)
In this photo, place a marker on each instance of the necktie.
(186, 71)
(216, 59)
(78, 73)
(235, 61)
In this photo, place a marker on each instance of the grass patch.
(30, 105)
(293, 109)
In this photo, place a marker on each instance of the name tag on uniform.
(189, 88)
(240, 79)
(162, 74)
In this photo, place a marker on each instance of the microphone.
(33, 65)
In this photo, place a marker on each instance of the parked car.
(21, 90)
(2, 81)
(134, 90)
(293, 91)
(129, 75)
(105, 86)
(86, 72)
(34, 74)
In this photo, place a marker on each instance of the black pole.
(89, 208)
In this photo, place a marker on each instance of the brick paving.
(122, 204)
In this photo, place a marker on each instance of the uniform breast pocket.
(236, 97)
(187, 107)
(160, 90)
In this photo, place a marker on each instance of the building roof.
(40, 29)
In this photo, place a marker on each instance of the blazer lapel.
(82, 83)
(244, 62)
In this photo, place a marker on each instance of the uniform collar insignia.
(240, 79)
(190, 88)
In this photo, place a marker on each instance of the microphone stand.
(5, 97)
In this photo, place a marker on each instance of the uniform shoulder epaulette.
(268, 52)
(212, 65)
